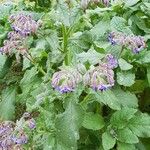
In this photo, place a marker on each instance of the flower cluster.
(7, 138)
(23, 26)
(12, 135)
(15, 42)
(135, 43)
(99, 78)
(66, 80)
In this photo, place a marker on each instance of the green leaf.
(120, 118)
(100, 29)
(125, 146)
(68, 124)
(141, 23)
(145, 58)
(126, 99)
(3, 59)
(107, 98)
(126, 78)
(5, 10)
(5, 64)
(108, 141)
(28, 77)
(53, 41)
(91, 56)
(127, 136)
(93, 121)
(140, 125)
(26, 63)
(7, 108)
(118, 23)
(80, 41)
(124, 65)
(129, 3)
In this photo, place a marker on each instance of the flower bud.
(31, 123)
(111, 61)
(100, 78)
(84, 3)
(66, 80)
(105, 2)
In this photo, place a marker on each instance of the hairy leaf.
(68, 124)
(7, 105)
(108, 141)
(125, 78)
(93, 121)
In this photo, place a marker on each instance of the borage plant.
(75, 75)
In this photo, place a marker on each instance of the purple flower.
(22, 139)
(32, 123)
(111, 40)
(66, 80)
(135, 43)
(24, 24)
(111, 61)
(99, 78)
(105, 2)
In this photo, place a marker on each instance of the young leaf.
(125, 78)
(140, 125)
(118, 23)
(108, 141)
(91, 56)
(120, 118)
(107, 98)
(127, 136)
(100, 29)
(124, 65)
(93, 121)
(144, 58)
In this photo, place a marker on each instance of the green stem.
(119, 56)
(36, 64)
(65, 44)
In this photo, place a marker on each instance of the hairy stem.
(29, 57)
(65, 44)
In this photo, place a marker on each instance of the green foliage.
(73, 37)
(7, 105)
(93, 121)
(125, 78)
(68, 124)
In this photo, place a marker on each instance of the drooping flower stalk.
(135, 43)
(66, 80)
